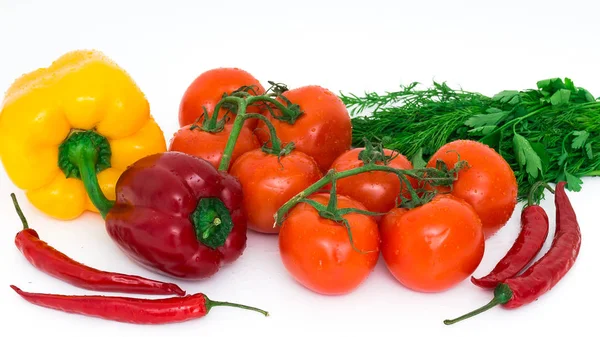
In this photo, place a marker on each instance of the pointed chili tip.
(484, 282)
(176, 289)
(16, 289)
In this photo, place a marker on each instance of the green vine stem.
(275, 148)
(290, 112)
(434, 176)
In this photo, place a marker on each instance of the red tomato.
(210, 146)
(433, 247)
(268, 182)
(377, 191)
(317, 252)
(208, 89)
(488, 184)
(324, 130)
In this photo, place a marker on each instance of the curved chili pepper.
(54, 263)
(131, 310)
(534, 231)
(548, 270)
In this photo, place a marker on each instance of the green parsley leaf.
(569, 84)
(563, 156)
(560, 97)
(580, 139)
(526, 155)
(483, 130)
(507, 96)
(588, 150)
(540, 149)
(573, 182)
(487, 119)
(551, 85)
(417, 160)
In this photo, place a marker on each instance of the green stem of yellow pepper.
(82, 155)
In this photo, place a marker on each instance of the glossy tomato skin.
(433, 247)
(317, 252)
(324, 130)
(488, 183)
(377, 191)
(210, 146)
(268, 182)
(207, 90)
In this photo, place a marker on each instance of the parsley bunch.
(548, 134)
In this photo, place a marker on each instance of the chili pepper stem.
(531, 195)
(502, 294)
(19, 211)
(210, 304)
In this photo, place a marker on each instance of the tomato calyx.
(375, 153)
(292, 111)
(212, 124)
(333, 213)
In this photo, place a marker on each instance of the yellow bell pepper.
(84, 111)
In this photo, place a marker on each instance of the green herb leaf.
(563, 156)
(570, 85)
(507, 96)
(588, 97)
(588, 150)
(560, 97)
(526, 155)
(493, 140)
(487, 119)
(483, 130)
(580, 139)
(573, 182)
(551, 85)
(417, 160)
(540, 149)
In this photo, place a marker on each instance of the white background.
(348, 46)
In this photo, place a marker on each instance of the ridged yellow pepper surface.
(81, 96)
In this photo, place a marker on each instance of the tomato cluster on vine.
(337, 208)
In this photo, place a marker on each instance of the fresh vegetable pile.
(281, 161)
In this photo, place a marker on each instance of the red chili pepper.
(131, 310)
(548, 270)
(57, 264)
(534, 231)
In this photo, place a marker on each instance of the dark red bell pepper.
(177, 215)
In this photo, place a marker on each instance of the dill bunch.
(550, 134)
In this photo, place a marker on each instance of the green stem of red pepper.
(210, 304)
(502, 294)
(19, 211)
(82, 155)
